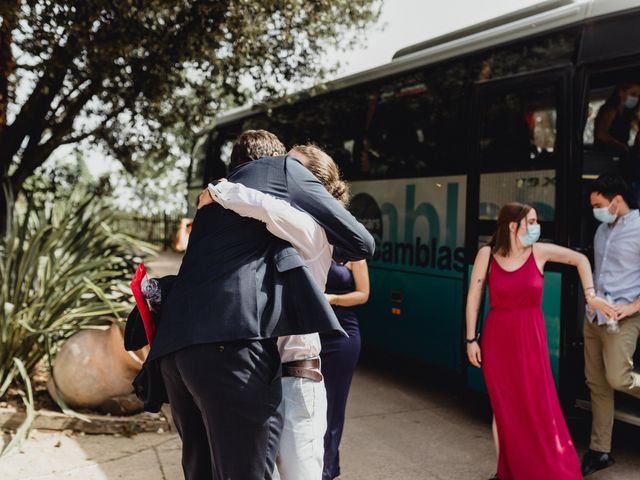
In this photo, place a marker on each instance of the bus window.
(414, 128)
(225, 152)
(334, 122)
(219, 153)
(517, 150)
(518, 130)
(610, 136)
(198, 161)
(395, 143)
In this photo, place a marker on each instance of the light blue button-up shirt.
(617, 259)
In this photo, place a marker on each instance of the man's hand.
(624, 311)
(605, 308)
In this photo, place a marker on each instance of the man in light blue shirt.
(610, 343)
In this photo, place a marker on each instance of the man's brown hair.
(254, 144)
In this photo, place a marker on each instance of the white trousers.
(301, 454)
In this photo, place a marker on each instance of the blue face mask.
(532, 235)
(631, 102)
(604, 215)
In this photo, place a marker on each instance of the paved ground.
(409, 426)
(167, 263)
(398, 428)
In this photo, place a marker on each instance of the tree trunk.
(9, 17)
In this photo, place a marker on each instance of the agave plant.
(62, 269)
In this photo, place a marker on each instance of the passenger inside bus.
(615, 120)
(611, 140)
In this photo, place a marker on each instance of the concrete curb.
(11, 419)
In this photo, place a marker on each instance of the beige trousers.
(609, 366)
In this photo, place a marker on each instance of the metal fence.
(158, 230)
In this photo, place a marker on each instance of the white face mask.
(604, 215)
(532, 235)
(631, 102)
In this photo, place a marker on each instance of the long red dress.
(533, 436)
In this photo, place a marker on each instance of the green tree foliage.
(121, 72)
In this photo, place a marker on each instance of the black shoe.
(594, 461)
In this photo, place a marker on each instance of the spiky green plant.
(62, 269)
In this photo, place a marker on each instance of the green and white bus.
(434, 142)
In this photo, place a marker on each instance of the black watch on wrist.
(473, 340)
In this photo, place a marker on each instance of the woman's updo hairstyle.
(324, 169)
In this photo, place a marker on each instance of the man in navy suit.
(238, 289)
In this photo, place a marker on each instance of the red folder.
(141, 302)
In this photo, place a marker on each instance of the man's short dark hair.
(609, 185)
(254, 144)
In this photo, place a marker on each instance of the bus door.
(519, 152)
(612, 146)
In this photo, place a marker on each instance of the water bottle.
(612, 325)
(152, 292)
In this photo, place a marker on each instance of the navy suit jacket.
(239, 282)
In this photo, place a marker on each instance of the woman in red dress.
(533, 441)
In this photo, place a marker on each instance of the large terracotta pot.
(93, 367)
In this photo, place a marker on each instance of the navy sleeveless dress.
(339, 358)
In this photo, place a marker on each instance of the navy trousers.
(226, 402)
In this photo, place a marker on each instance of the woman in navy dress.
(347, 286)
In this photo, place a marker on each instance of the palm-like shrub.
(62, 269)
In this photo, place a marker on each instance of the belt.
(303, 369)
